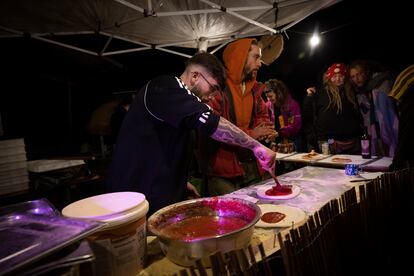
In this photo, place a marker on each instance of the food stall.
(315, 186)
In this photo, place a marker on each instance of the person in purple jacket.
(284, 111)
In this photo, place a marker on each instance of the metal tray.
(28, 237)
(37, 207)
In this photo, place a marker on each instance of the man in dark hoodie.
(227, 167)
(155, 146)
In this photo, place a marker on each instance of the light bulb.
(314, 40)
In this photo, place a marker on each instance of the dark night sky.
(34, 100)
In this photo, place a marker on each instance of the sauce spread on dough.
(279, 190)
(203, 226)
(272, 217)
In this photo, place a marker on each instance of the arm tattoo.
(228, 133)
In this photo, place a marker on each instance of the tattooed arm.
(228, 133)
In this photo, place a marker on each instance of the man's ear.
(194, 75)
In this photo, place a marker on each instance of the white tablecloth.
(318, 186)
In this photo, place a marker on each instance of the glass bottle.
(365, 146)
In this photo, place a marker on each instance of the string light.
(314, 40)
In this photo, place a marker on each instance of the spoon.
(275, 179)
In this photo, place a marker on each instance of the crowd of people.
(231, 124)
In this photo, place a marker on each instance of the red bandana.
(336, 68)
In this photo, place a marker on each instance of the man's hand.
(263, 131)
(310, 91)
(272, 137)
(266, 157)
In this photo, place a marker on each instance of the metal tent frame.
(125, 26)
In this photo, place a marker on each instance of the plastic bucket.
(120, 246)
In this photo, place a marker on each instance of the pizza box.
(12, 158)
(13, 166)
(12, 143)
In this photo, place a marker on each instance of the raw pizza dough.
(341, 160)
(293, 215)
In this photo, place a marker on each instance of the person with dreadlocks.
(333, 112)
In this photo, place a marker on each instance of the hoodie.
(246, 110)
(234, 57)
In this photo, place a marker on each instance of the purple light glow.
(177, 218)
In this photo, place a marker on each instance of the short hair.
(212, 64)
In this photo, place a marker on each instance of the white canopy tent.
(124, 26)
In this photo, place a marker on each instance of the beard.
(197, 91)
(249, 75)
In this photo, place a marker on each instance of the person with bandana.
(334, 112)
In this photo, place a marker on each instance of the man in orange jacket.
(228, 168)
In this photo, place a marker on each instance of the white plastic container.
(325, 148)
(120, 247)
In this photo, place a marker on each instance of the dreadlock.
(335, 96)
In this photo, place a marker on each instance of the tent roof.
(111, 27)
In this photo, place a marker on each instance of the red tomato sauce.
(279, 191)
(272, 217)
(203, 226)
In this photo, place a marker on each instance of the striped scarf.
(402, 83)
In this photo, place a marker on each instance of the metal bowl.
(185, 252)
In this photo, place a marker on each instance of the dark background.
(48, 93)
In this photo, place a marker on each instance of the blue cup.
(351, 169)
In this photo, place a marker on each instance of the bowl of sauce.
(197, 228)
